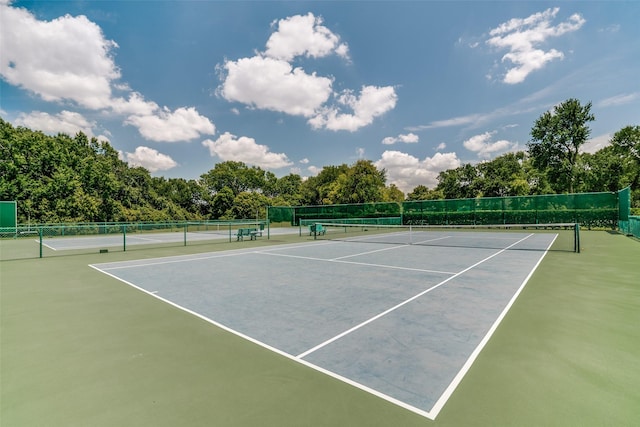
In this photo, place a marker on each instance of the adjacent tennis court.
(404, 322)
(148, 238)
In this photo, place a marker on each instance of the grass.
(80, 348)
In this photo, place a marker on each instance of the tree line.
(79, 179)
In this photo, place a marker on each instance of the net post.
(124, 237)
(576, 239)
(40, 233)
(186, 225)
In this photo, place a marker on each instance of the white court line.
(274, 349)
(384, 313)
(431, 240)
(196, 257)
(427, 414)
(146, 264)
(399, 245)
(45, 245)
(338, 260)
(435, 409)
(146, 239)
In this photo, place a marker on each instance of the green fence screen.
(631, 226)
(587, 209)
(294, 214)
(8, 214)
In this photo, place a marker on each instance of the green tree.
(556, 138)
(392, 194)
(320, 189)
(236, 176)
(462, 182)
(626, 143)
(602, 171)
(249, 205)
(421, 192)
(222, 203)
(362, 183)
(503, 176)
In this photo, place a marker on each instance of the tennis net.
(561, 237)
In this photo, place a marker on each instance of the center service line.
(384, 313)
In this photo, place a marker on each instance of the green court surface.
(81, 348)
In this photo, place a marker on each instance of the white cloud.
(183, 124)
(69, 59)
(521, 38)
(410, 138)
(477, 119)
(245, 149)
(135, 105)
(613, 28)
(303, 35)
(273, 84)
(441, 146)
(596, 143)
(304, 161)
(314, 170)
(622, 99)
(455, 121)
(407, 171)
(269, 81)
(482, 145)
(150, 159)
(67, 122)
(372, 102)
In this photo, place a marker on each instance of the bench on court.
(316, 229)
(252, 233)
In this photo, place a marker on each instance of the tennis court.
(403, 322)
(149, 238)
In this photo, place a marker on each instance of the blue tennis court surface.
(403, 322)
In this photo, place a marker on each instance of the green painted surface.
(81, 348)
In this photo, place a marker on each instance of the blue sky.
(416, 87)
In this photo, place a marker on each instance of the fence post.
(124, 237)
(40, 232)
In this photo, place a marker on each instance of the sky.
(416, 87)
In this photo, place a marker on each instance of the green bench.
(316, 229)
(252, 233)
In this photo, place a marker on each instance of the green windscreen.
(624, 204)
(592, 210)
(8, 214)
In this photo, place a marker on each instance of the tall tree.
(602, 171)
(503, 176)
(392, 194)
(460, 183)
(422, 192)
(626, 143)
(236, 176)
(319, 189)
(362, 183)
(556, 138)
